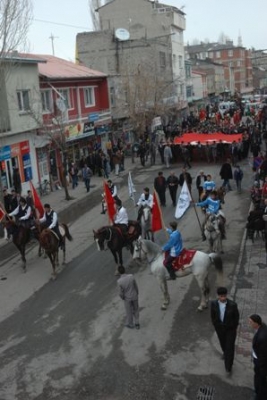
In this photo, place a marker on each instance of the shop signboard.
(93, 117)
(89, 128)
(101, 130)
(24, 147)
(5, 153)
(26, 159)
(15, 150)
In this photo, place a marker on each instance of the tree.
(15, 20)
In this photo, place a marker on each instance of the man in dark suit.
(201, 178)
(225, 319)
(259, 352)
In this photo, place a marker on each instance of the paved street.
(65, 340)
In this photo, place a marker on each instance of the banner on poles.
(131, 187)
(36, 201)
(183, 201)
(156, 223)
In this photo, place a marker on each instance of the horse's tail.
(67, 232)
(217, 261)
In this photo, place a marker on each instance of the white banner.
(183, 201)
(131, 187)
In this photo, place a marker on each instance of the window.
(23, 97)
(189, 91)
(187, 71)
(239, 63)
(66, 97)
(211, 54)
(218, 54)
(89, 97)
(112, 97)
(230, 53)
(162, 60)
(46, 100)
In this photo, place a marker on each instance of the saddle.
(183, 260)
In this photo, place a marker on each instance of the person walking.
(238, 176)
(172, 183)
(226, 174)
(167, 155)
(225, 319)
(128, 292)
(160, 185)
(73, 171)
(259, 354)
(87, 173)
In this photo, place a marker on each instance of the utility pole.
(52, 38)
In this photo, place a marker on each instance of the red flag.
(2, 213)
(157, 224)
(36, 201)
(110, 202)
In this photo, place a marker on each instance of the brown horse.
(49, 241)
(21, 236)
(113, 238)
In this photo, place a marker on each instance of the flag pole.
(199, 223)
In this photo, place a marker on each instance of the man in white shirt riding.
(22, 213)
(50, 221)
(121, 217)
(145, 200)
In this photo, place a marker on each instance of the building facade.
(140, 46)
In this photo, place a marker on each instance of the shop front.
(80, 139)
(15, 156)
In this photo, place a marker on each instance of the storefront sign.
(15, 150)
(79, 131)
(89, 128)
(27, 167)
(101, 130)
(93, 117)
(5, 153)
(25, 147)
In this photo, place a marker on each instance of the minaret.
(239, 40)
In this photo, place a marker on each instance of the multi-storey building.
(140, 46)
(235, 59)
(47, 105)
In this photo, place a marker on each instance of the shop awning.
(204, 138)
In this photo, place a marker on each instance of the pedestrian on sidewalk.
(238, 176)
(87, 173)
(173, 183)
(73, 171)
(128, 292)
(225, 319)
(226, 174)
(167, 155)
(160, 185)
(259, 353)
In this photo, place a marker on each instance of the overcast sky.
(205, 19)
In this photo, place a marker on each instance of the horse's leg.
(204, 289)
(152, 236)
(164, 288)
(52, 258)
(21, 249)
(114, 253)
(64, 250)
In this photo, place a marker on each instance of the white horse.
(199, 267)
(213, 234)
(146, 222)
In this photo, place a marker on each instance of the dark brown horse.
(114, 239)
(49, 241)
(21, 236)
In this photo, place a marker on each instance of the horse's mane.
(152, 246)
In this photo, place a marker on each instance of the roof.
(205, 47)
(58, 68)
(17, 57)
(156, 4)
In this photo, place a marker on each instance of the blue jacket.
(213, 205)
(209, 185)
(174, 244)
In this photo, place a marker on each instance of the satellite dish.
(61, 105)
(122, 34)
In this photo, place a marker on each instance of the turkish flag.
(157, 224)
(2, 213)
(110, 202)
(36, 201)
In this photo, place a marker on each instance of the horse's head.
(212, 223)
(139, 252)
(100, 236)
(146, 213)
(221, 192)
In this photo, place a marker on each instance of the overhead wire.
(60, 23)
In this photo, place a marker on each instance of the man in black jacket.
(226, 174)
(225, 319)
(259, 352)
(173, 182)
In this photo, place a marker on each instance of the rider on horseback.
(213, 207)
(50, 221)
(174, 246)
(208, 186)
(145, 200)
(22, 213)
(121, 217)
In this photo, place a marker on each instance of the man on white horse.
(145, 200)
(121, 217)
(213, 206)
(174, 246)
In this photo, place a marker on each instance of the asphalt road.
(65, 340)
